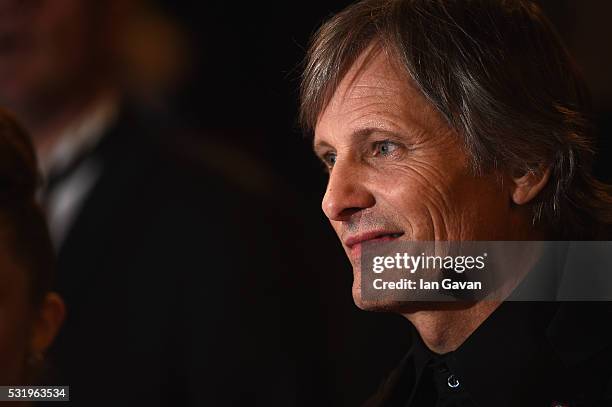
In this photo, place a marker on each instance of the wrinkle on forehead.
(370, 75)
(379, 87)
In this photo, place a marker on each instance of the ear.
(527, 186)
(47, 323)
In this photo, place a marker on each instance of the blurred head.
(50, 49)
(58, 52)
(449, 120)
(30, 314)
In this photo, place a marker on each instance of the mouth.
(353, 243)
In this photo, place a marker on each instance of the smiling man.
(462, 121)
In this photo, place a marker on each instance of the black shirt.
(525, 354)
(437, 385)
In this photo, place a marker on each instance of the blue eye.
(385, 148)
(329, 159)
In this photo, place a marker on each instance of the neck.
(445, 326)
(444, 329)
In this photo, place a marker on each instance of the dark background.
(240, 74)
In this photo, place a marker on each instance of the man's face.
(397, 171)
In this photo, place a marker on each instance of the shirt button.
(452, 381)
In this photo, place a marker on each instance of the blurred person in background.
(30, 313)
(168, 253)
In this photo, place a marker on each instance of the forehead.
(375, 92)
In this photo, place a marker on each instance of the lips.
(375, 236)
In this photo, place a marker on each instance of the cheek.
(439, 202)
(420, 197)
(485, 211)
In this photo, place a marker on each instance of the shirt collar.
(81, 136)
(412, 370)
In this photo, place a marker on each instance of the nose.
(346, 193)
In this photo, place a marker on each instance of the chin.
(379, 305)
(403, 307)
(382, 305)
